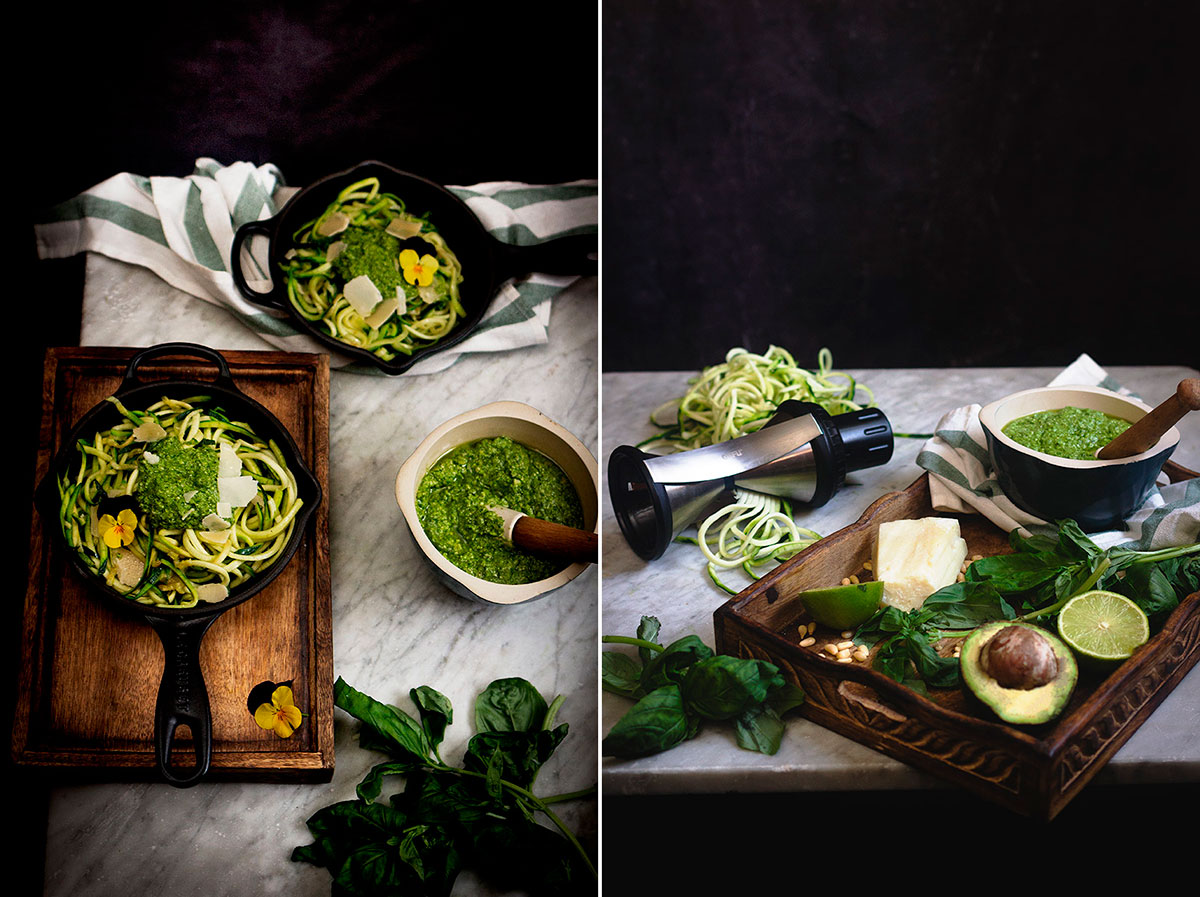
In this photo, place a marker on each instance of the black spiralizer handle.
(273, 298)
(182, 696)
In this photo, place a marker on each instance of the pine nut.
(846, 659)
(831, 649)
(804, 643)
(854, 578)
(846, 644)
(847, 634)
(846, 581)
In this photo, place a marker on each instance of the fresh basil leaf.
(399, 732)
(1147, 586)
(368, 789)
(965, 605)
(760, 729)
(725, 687)
(338, 827)
(619, 673)
(520, 754)
(647, 630)
(435, 710)
(523, 857)
(1014, 572)
(510, 705)
(655, 723)
(671, 665)
(1073, 541)
(786, 697)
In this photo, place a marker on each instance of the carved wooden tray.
(1033, 770)
(89, 676)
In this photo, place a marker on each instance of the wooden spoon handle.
(544, 537)
(1147, 431)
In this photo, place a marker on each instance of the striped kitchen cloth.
(962, 480)
(182, 228)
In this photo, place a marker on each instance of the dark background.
(457, 92)
(933, 183)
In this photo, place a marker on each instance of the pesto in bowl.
(453, 498)
(1074, 433)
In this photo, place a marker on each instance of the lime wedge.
(1103, 625)
(843, 607)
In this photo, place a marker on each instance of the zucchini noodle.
(315, 287)
(175, 563)
(741, 394)
(750, 532)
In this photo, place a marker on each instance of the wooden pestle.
(542, 537)
(1144, 433)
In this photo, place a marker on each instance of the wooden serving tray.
(1033, 770)
(89, 676)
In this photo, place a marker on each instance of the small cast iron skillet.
(182, 695)
(486, 261)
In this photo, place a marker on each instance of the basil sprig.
(678, 687)
(1044, 571)
(480, 816)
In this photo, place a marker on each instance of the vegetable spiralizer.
(802, 453)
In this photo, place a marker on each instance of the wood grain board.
(1032, 770)
(89, 676)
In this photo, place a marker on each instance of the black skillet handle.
(575, 254)
(182, 696)
(224, 377)
(266, 228)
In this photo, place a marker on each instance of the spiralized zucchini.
(752, 531)
(315, 288)
(741, 394)
(733, 399)
(175, 563)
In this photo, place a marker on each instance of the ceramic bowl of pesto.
(530, 428)
(1099, 495)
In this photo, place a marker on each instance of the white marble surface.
(676, 589)
(394, 626)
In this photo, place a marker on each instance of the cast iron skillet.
(182, 695)
(486, 261)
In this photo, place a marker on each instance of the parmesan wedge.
(383, 311)
(915, 558)
(149, 431)
(212, 592)
(399, 227)
(237, 491)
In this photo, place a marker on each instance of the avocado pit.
(1019, 657)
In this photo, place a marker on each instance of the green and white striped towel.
(182, 229)
(962, 480)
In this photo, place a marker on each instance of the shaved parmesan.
(149, 431)
(334, 224)
(399, 227)
(362, 294)
(214, 523)
(212, 592)
(229, 464)
(150, 457)
(190, 494)
(429, 294)
(129, 568)
(238, 491)
(383, 311)
(335, 249)
(225, 509)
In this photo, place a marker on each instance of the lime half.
(1103, 625)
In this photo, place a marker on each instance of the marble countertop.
(676, 589)
(394, 626)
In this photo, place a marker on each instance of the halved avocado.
(1022, 672)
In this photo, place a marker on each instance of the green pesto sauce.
(370, 251)
(454, 494)
(1076, 433)
(181, 469)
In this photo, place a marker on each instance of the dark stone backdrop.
(933, 183)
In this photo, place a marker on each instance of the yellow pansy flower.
(416, 270)
(118, 531)
(282, 715)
